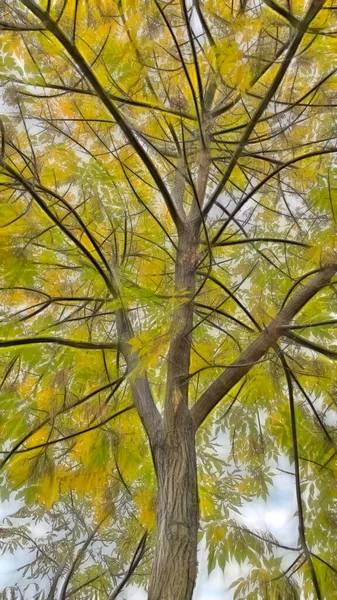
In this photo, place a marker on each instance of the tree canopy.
(168, 257)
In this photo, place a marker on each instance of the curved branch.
(310, 325)
(262, 239)
(116, 384)
(233, 296)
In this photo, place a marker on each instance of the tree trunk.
(175, 560)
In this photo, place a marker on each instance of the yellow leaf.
(49, 490)
(145, 501)
(18, 470)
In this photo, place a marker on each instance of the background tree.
(168, 226)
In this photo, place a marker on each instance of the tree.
(168, 231)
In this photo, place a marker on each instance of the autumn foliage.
(168, 256)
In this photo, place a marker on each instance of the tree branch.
(268, 337)
(60, 342)
(300, 512)
(103, 95)
(314, 8)
(263, 181)
(79, 557)
(116, 384)
(70, 436)
(301, 341)
(137, 557)
(282, 12)
(28, 187)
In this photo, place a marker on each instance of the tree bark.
(174, 566)
(178, 359)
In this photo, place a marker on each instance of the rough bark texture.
(178, 360)
(175, 561)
